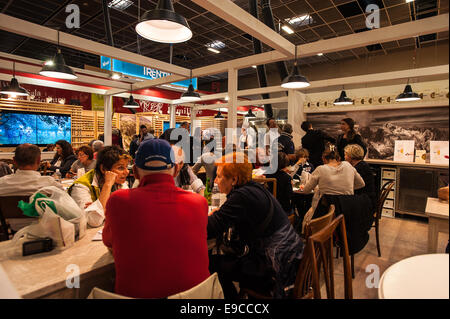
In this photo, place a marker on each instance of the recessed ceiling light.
(213, 50)
(408, 1)
(300, 20)
(116, 76)
(287, 29)
(254, 66)
(217, 44)
(120, 4)
(319, 54)
(49, 62)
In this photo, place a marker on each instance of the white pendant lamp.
(190, 95)
(164, 25)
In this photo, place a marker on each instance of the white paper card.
(439, 152)
(404, 151)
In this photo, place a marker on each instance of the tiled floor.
(400, 238)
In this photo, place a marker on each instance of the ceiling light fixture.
(116, 76)
(343, 99)
(254, 66)
(164, 25)
(190, 95)
(213, 50)
(300, 20)
(319, 54)
(14, 89)
(295, 80)
(407, 95)
(219, 115)
(131, 103)
(57, 67)
(287, 29)
(250, 113)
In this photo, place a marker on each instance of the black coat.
(65, 166)
(314, 142)
(342, 142)
(284, 189)
(367, 175)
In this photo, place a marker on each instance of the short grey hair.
(354, 151)
(97, 145)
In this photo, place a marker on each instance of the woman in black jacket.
(268, 252)
(349, 137)
(63, 159)
(284, 183)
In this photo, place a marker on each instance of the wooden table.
(44, 275)
(418, 277)
(437, 212)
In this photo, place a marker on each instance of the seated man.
(157, 231)
(27, 179)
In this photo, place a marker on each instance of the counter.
(44, 275)
(392, 163)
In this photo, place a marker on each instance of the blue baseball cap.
(152, 150)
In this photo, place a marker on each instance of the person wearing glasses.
(85, 161)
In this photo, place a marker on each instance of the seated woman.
(269, 262)
(92, 190)
(354, 154)
(302, 164)
(333, 178)
(284, 183)
(63, 159)
(85, 161)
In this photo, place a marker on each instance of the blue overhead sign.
(139, 71)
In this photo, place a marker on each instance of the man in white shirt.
(271, 135)
(27, 179)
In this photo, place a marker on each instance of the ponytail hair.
(331, 155)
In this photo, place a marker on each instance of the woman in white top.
(91, 191)
(333, 178)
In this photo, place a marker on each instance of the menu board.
(439, 152)
(404, 151)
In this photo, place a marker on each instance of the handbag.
(232, 243)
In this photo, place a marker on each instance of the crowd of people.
(157, 225)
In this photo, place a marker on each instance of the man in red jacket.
(157, 231)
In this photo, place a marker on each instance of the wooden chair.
(315, 225)
(9, 209)
(318, 252)
(266, 182)
(387, 187)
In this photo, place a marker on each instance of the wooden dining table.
(437, 211)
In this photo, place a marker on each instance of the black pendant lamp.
(57, 67)
(219, 115)
(407, 95)
(164, 25)
(131, 103)
(343, 99)
(250, 113)
(14, 88)
(190, 95)
(295, 80)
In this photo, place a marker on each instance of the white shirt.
(95, 212)
(270, 137)
(25, 182)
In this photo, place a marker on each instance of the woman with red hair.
(268, 249)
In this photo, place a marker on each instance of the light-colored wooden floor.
(400, 238)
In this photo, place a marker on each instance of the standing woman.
(63, 159)
(349, 137)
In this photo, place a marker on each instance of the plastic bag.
(65, 205)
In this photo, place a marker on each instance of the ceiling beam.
(36, 31)
(243, 20)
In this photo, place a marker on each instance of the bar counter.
(44, 275)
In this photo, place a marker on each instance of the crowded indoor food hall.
(235, 149)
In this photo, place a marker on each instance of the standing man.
(314, 142)
(285, 143)
(144, 134)
(271, 135)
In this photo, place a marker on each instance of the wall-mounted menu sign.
(439, 152)
(139, 71)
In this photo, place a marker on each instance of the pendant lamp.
(190, 95)
(407, 95)
(164, 25)
(343, 99)
(219, 115)
(131, 103)
(57, 68)
(250, 113)
(295, 80)
(14, 87)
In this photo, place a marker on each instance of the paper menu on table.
(98, 236)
